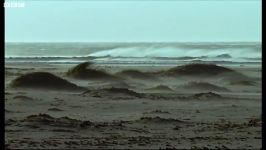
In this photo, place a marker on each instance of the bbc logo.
(14, 4)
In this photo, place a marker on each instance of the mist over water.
(132, 52)
(177, 52)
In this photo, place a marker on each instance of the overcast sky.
(118, 21)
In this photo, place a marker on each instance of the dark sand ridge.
(203, 96)
(136, 74)
(106, 92)
(208, 71)
(243, 82)
(209, 95)
(86, 72)
(197, 70)
(224, 56)
(183, 119)
(46, 119)
(158, 119)
(205, 86)
(43, 80)
(161, 88)
(117, 84)
(21, 97)
(200, 70)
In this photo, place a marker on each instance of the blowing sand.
(184, 107)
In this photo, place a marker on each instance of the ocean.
(135, 53)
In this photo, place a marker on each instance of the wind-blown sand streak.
(190, 106)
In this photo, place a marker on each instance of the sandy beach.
(193, 106)
(135, 74)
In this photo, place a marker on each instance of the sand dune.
(199, 70)
(136, 74)
(86, 72)
(117, 112)
(43, 80)
(208, 95)
(203, 86)
(193, 69)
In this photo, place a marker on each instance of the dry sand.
(215, 109)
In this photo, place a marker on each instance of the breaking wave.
(178, 52)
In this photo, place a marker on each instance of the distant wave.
(177, 52)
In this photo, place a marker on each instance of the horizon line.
(132, 41)
(135, 0)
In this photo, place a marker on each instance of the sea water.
(136, 53)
